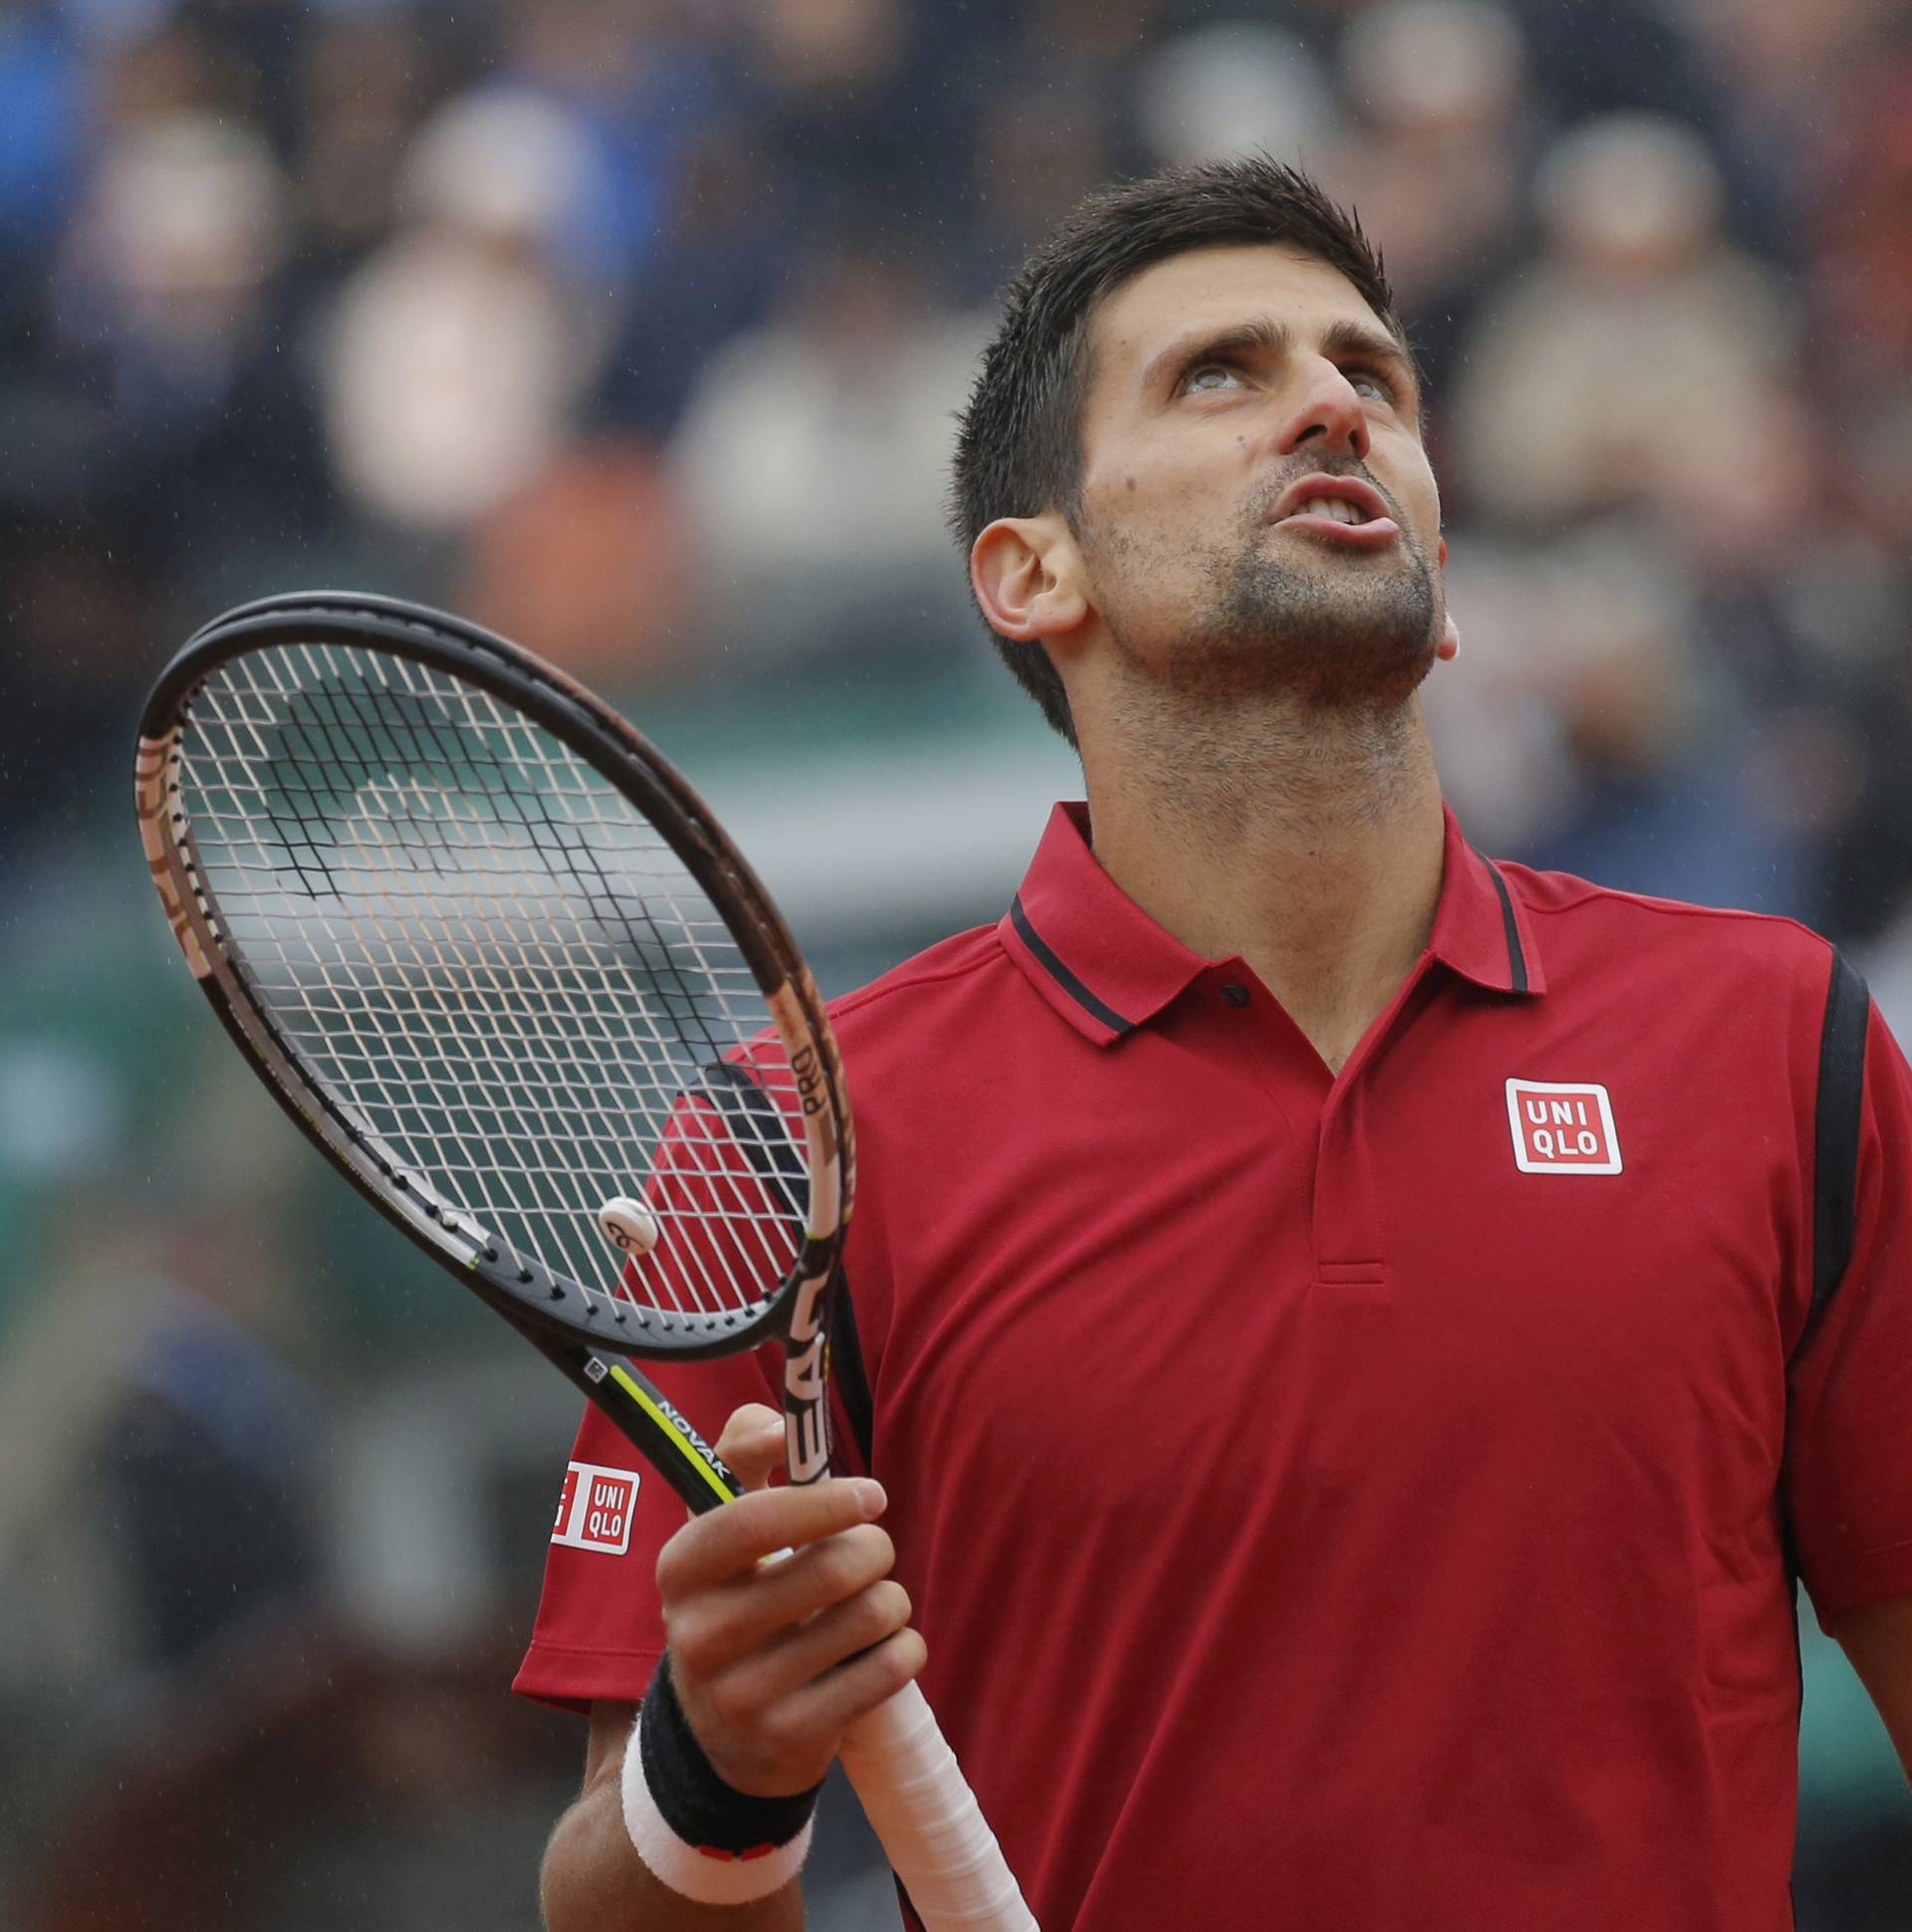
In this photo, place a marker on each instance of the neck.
(1306, 843)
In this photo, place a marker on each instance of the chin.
(1375, 688)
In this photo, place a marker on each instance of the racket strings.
(497, 967)
(564, 1176)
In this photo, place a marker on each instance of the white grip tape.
(921, 1807)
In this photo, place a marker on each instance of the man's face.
(1223, 381)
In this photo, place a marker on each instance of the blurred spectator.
(1642, 359)
(42, 83)
(1442, 89)
(162, 425)
(1790, 73)
(180, 233)
(830, 86)
(714, 270)
(459, 348)
(1659, 801)
(813, 457)
(1234, 88)
(1505, 763)
(637, 80)
(1602, 57)
(208, 1466)
(1588, 734)
(364, 88)
(1036, 156)
(588, 565)
(1867, 878)
(167, 356)
(1862, 229)
(1094, 49)
(157, 1433)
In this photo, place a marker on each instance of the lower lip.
(1360, 536)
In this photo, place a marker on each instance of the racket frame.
(586, 1335)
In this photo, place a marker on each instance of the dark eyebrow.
(1347, 341)
(1186, 351)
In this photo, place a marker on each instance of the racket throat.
(806, 1369)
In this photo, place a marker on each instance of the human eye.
(1210, 376)
(1373, 381)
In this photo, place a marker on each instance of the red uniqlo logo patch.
(1562, 1128)
(593, 1512)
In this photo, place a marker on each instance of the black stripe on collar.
(1516, 958)
(1060, 974)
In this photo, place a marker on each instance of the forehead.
(1216, 287)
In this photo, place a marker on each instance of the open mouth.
(1341, 508)
(1343, 523)
(1338, 507)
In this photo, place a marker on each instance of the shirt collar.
(1107, 968)
(1481, 926)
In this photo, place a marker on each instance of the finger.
(786, 1743)
(752, 1444)
(829, 1704)
(712, 1629)
(732, 1541)
(798, 1656)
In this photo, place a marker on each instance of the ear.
(1448, 645)
(1027, 574)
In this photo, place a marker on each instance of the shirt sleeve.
(1848, 1462)
(598, 1631)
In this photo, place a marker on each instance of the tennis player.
(1355, 1344)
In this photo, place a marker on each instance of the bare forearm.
(1878, 1641)
(594, 1882)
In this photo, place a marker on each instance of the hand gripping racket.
(499, 961)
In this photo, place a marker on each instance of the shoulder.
(957, 1017)
(956, 972)
(1583, 927)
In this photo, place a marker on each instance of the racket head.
(396, 849)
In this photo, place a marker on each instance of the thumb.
(753, 1444)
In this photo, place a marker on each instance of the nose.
(1328, 413)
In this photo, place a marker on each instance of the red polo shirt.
(1363, 1502)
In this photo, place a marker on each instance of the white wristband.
(701, 1873)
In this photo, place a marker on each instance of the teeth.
(1337, 506)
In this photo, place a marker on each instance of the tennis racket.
(500, 963)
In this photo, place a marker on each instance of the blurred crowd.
(634, 327)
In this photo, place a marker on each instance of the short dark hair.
(1019, 447)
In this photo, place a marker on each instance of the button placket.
(1348, 1240)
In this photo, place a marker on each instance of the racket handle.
(921, 1807)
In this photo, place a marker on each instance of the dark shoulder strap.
(1835, 1136)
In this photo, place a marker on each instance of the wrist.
(700, 1835)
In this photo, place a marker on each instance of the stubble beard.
(1354, 634)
